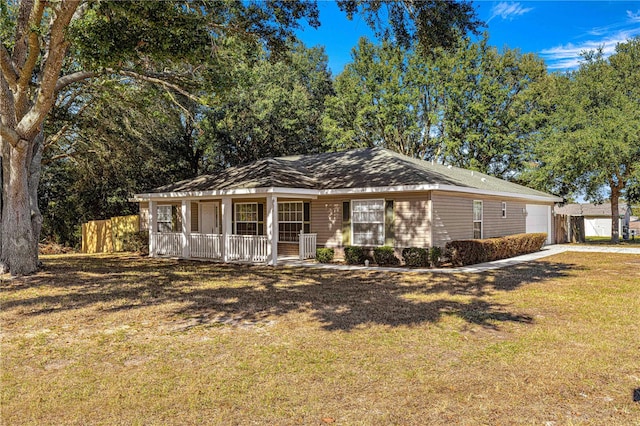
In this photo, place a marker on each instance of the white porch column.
(272, 230)
(153, 226)
(186, 229)
(227, 225)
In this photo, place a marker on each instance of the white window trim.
(236, 221)
(383, 219)
(158, 221)
(481, 221)
(503, 209)
(301, 222)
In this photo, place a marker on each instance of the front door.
(209, 213)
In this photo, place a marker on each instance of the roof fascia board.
(240, 192)
(314, 193)
(438, 187)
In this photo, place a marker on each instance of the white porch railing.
(206, 246)
(243, 248)
(307, 246)
(167, 243)
(247, 248)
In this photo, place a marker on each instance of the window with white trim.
(504, 209)
(246, 218)
(477, 219)
(165, 219)
(367, 222)
(290, 220)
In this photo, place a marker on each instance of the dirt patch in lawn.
(106, 339)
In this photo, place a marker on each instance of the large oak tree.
(49, 45)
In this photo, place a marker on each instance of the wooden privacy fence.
(106, 236)
(569, 229)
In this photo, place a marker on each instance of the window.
(165, 219)
(367, 222)
(477, 219)
(504, 209)
(246, 215)
(290, 220)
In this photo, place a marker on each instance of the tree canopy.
(591, 136)
(470, 107)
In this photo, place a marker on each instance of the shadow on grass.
(210, 293)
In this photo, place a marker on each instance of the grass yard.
(606, 241)
(127, 340)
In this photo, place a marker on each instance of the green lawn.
(607, 241)
(129, 340)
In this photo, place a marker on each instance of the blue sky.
(556, 30)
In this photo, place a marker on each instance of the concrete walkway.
(481, 267)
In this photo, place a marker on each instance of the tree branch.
(55, 54)
(156, 80)
(32, 55)
(22, 23)
(73, 78)
(9, 135)
(8, 71)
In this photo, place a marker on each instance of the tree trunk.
(35, 171)
(615, 215)
(4, 146)
(18, 247)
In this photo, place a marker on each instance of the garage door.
(539, 219)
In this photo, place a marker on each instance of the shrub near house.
(469, 252)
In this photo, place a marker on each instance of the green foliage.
(137, 242)
(591, 136)
(490, 114)
(435, 256)
(415, 257)
(354, 255)
(8, 20)
(469, 252)
(432, 23)
(325, 255)
(385, 256)
(116, 33)
(470, 107)
(91, 172)
(270, 108)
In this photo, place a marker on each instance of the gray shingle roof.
(588, 209)
(359, 168)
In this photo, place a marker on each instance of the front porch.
(222, 230)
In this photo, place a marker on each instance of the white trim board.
(314, 193)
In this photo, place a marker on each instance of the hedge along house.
(364, 197)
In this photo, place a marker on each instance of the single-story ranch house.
(364, 197)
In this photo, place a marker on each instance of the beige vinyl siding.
(326, 221)
(495, 225)
(411, 220)
(195, 226)
(453, 217)
(176, 213)
(144, 216)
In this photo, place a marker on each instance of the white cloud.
(507, 10)
(568, 56)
